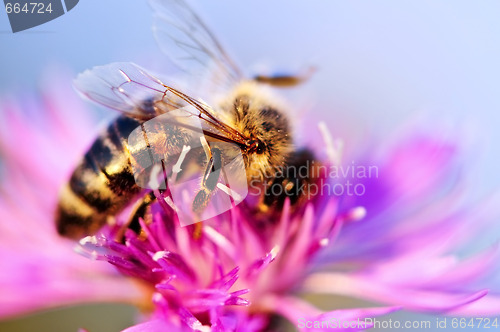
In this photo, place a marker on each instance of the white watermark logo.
(199, 180)
(170, 153)
(318, 179)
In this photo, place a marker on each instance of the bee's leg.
(209, 181)
(293, 185)
(206, 148)
(263, 205)
(285, 81)
(208, 185)
(213, 170)
(141, 209)
(200, 196)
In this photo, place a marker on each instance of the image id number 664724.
(31, 7)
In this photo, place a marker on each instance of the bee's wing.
(127, 88)
(130, 89)
(173, 124)
(187, 41)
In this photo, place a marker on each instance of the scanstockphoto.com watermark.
(438, 323)
(313, 178)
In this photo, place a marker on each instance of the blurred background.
(379, 65)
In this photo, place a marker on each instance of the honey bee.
(248, 119)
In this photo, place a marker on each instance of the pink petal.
(365, 287)
(299, 313)
(157, 325)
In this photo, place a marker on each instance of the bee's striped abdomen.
(101, 185)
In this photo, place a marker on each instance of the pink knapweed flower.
(39, 142)
(393, 244)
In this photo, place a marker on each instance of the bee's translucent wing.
(127, 88)
(174, 124)
(187, 41)
(130, 89)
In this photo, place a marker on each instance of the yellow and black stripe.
(101, 185)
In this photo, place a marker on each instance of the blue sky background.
(379, 62)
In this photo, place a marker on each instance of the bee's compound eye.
(256, 146)
(260, 147)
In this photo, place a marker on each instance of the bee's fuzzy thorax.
(253, 111)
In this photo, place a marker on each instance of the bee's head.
(266, 128)
(256, 146)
